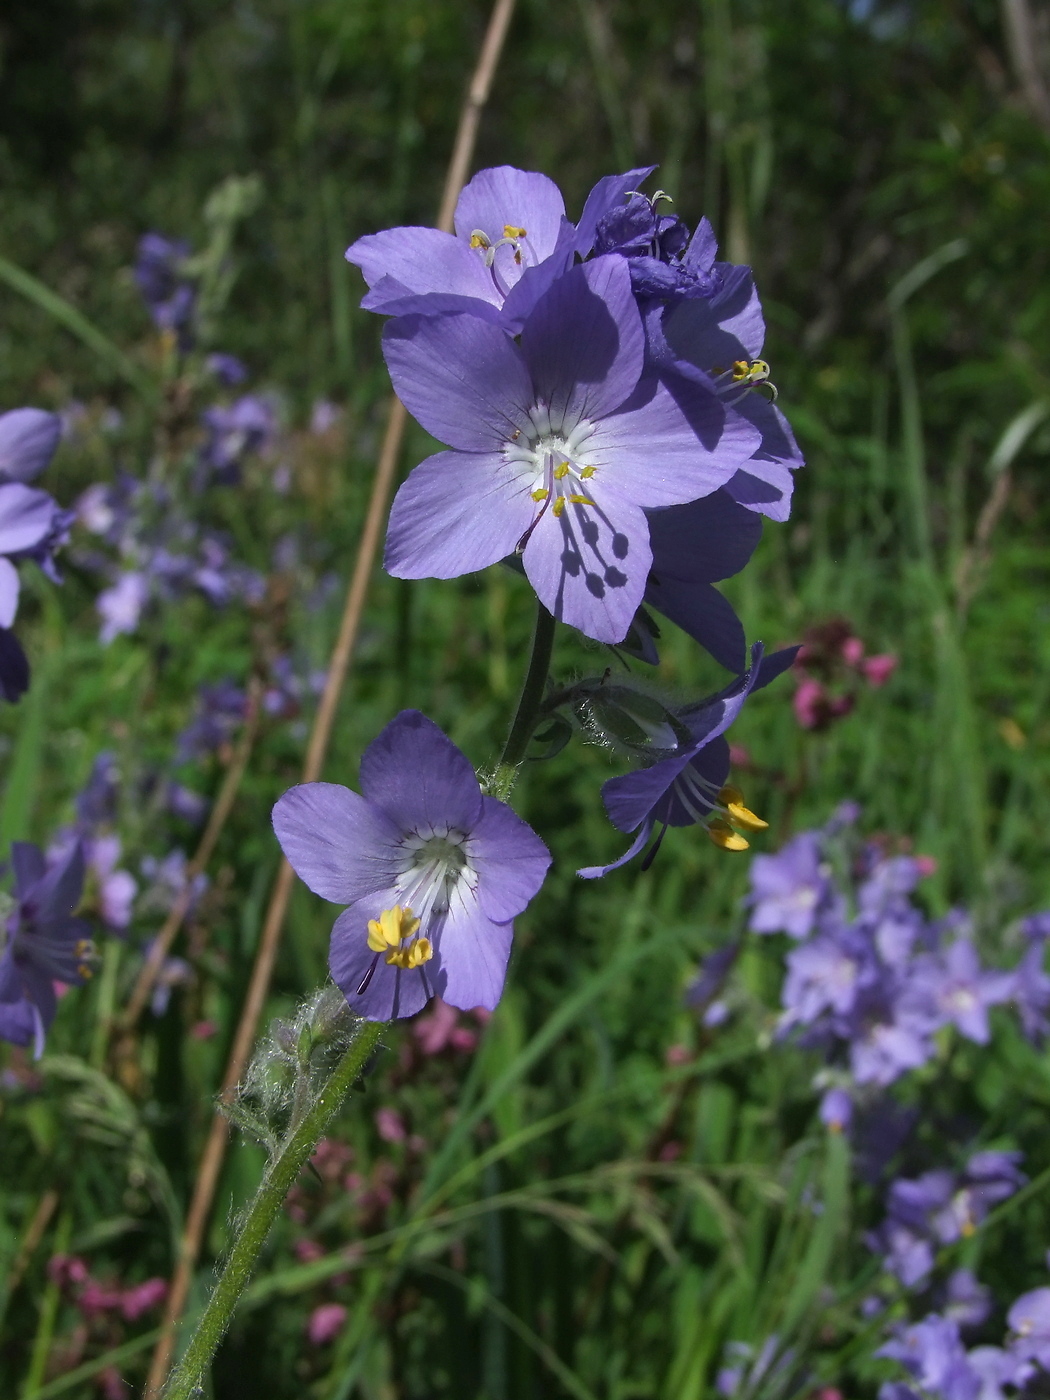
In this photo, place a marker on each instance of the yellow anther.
(391, 928)
(559, 505)
(415, 955)
(84, 971)
(759, 370)
(83, 948)
(479, 239)
(513, 231)
(741, 371)
(587, 472)
(732, 799)
(540, 494)
(561, 471)
(967, 1228)
(580, 501)
(722, 834)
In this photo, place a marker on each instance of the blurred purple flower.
(28, 439)
(158, 273)
(788, 888)
(434, 873)
(227, 369)
(836, 1109)
(967, 1302)
(44, 943)
(120, 606)
(219, 713)
(933, 1353)
(245, 426)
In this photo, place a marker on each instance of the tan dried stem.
(339, 665)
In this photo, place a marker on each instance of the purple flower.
(96, 803)
(787, 889)
(711, 977)
(28, 438)
(826, 974)
(688, 787)
(44, 942)
(169, 297)
(694, 546)
(227, 369)
(246, 426)
(885, 1040)
(1030, 991)
(434, 873)
(1037, 927)
(1029, 1321)
(559, 447)
(120, 607)
(966, 1301)
(836, 1109)
(219, 712)
(512, 238)
(952, 988)
(27, 522)
(934, 1354)
(665, 262)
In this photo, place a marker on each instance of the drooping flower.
(690, 786)
(559, 447)
(434, 873)
(44, 942)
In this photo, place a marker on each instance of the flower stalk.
(530, 706)
(279, 1177)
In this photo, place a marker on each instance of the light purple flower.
(825, 974)
(227, 369)
(1029, 1321)
(245, 426)
(434, 873)
(44, 943)
(27, 521)
(952, 988)
(559, 445)
(787, 888)
(967, 1301)
(934, 1354)
(159, 274)
(836, 1109)
(28, 438)
(120, 607)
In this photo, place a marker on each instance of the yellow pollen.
(83, 948)
(967, 1229)
(588, 471)
(741, 370)
(84, 971)
(559, 505)
(722, 834)
(580, 501)
(391, 928)
(513, 231)
(561, 471)
(478, 240)
(415, 955)
(540, 494)
(732, 799)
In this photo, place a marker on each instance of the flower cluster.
(940, 1366)
(873, 980)
(578, 399)
(830, 664)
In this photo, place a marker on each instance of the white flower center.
(436, 864)
(551, 455)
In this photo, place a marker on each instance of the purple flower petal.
(705, 614)
(392, 992)
(424, 260)
(419, 778)
(339, 844)
(28, 438)
(457, 512)
(472, 955)
(534, 281)
(462, 378)
(502, 197)
(8, 592)
(705, 541)
(595, 872)
(26, 517)
(391, 298)
(510, 859)
(584, 342)
(589, 566)
(610, 191)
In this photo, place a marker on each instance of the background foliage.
(878, 166)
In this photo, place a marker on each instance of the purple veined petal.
(8, 592)
(392, 992)
(630, 798)
(462, 378)
(26, 517)
(339, 844)
(590, 564)
(504, 197)
(595, 872)
(457, 512)
(18, 1022)
(703, 541)
(584, 342)
(778, 441)
(510, 859)
(418, 777)
(60, 890)
(703, 249)
(701, 611)
(424, 260)
(534, 281)
(391, 298)
(606, 194)
(472, 952)
(28, 438)
(667, 448)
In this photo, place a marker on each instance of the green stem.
(529, 706)
(280, 1176)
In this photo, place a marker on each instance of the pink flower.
(926, 865)
(852, 651)
(97, 1298)
(325, 1323)
(143, 1297)
(677, 1055)
(67, 1270)
(391, 1125)
(809, 703)
(739, 756)
(203, 1030)
(878, 669)
(306, 1251)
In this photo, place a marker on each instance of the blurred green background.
(884, 167)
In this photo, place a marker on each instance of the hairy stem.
(530, 705)
(280, 1176)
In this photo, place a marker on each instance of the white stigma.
(437, 863)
